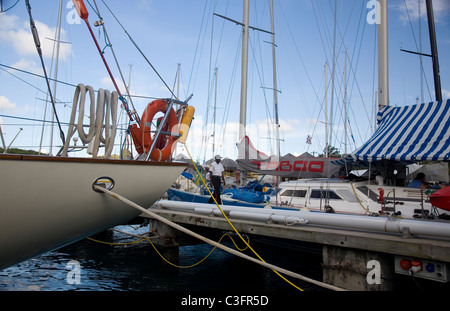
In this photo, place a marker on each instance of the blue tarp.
(179, 195)
(247, 195)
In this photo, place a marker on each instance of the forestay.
(410, 133)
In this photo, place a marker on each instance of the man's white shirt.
(216, 169)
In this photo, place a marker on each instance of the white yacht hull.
(49, 202)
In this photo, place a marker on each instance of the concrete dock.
(353, 258)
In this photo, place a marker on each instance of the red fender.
(441, 199)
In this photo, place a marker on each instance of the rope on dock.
(211, 242)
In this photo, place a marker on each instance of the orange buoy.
(159, 153)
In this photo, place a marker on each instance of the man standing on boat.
(215, 174)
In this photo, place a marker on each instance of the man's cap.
(218, 157)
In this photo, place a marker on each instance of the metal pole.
(275, 88)
(420, 51)
(434, 52)
(3, 139)
(383, 63)
(20, 130)
(326, 110)
(333, 74)
(58, 43)
(214, 115)
(243, 107)
(345, 102)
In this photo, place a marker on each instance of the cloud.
(27, 65)
(6, 104)
(17, 33)
(445, 94)
(441, 9)
(107, 83)
(145, 5)
(261, 133)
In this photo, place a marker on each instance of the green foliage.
(20, 151)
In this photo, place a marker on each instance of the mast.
(56, 69)
(345, 102)
(420, 52)
(333, 73)
(434, 52)
(244, 69)
(275, 89)
(56, 48)
(214, 115)
(178, 81)
(326, 110)
(383, 64)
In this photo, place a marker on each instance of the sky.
(186, 34)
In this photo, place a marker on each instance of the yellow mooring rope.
(232, 226)
(211, 242)
(160, 255)
(259, 261)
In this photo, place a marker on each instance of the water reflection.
(137, 267)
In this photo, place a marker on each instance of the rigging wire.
(140, 51)
(198, 43)
(297, 50)
(318, 13)
(12, 6)
(417, 47)
(39, 50)
(51, 79)
(108, 44)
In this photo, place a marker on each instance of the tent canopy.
(227, 163)
(410, 133)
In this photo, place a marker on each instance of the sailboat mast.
(214, 115)
(434, 53)
(275, 88)
(244, 69)
(345, 103)
(326, 110)
(383, 64)
(178, 81)
(333, 73)
(58, 29)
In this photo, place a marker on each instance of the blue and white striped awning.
(410, 133)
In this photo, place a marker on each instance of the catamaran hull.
(49, 202)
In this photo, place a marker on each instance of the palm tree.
(332, 152)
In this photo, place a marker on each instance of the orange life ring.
(160, 153)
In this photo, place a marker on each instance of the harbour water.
(138, 267)
(111, 274)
